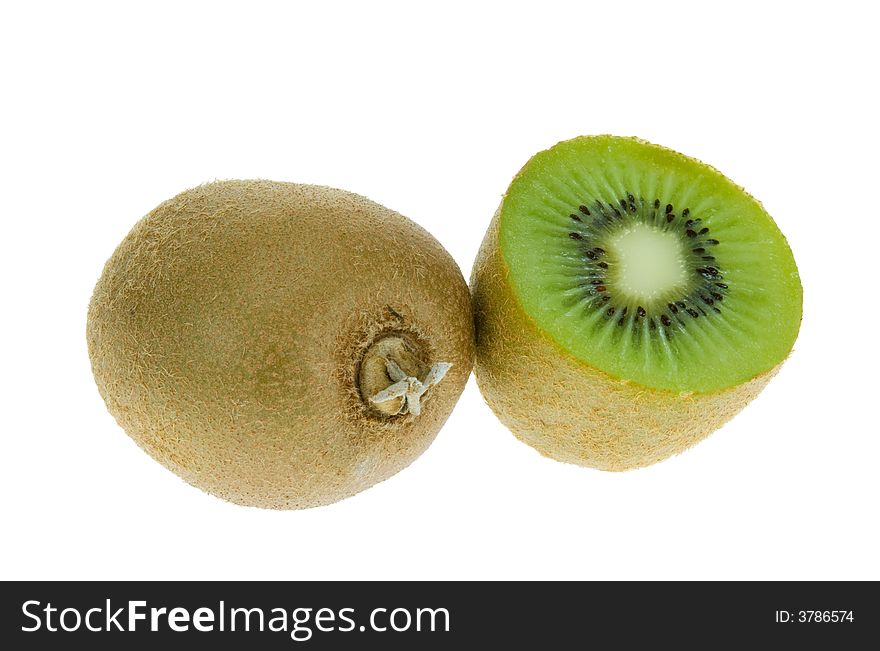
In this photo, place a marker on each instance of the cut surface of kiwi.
(649, 265)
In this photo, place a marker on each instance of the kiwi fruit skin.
(226, 334)
(568, 410)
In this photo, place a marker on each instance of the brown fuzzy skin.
(568, 410)
(227, 330)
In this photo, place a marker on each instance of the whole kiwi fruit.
(280, 345)
(629, 300)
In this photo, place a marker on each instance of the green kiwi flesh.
(649, 265)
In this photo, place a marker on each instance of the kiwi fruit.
(629, 300)
(280, 345)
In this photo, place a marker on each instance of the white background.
(109, 109)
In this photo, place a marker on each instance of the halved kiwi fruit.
(629, 300)
(280, 345)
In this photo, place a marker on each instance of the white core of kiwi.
(647, 263)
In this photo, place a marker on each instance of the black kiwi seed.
(693, 312)
(599, 250)
(672, 307)
(656, 203)
(576, 236)
(610, 311)
(690, 232)
(704, 230)
(625, 310)
(575, 217)
(699, 249)
(668, 208)
(590, 255)
(721, 285)
(685, 212)
(603, 265)
(712, 242)
(601, 288)
(584, 210)
(665, 320)
(670, 217)
(641, 311)
(621, 321)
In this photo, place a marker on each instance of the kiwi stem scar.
(409, 387)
